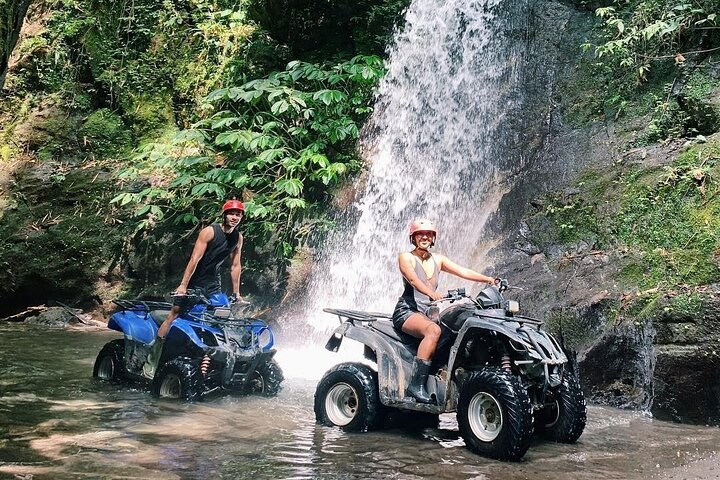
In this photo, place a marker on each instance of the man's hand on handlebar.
(236, 299)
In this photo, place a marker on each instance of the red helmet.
(422, 225)
(233, 205)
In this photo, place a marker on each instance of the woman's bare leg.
(419, 326)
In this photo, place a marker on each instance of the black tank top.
(415, 299)
(207, 271)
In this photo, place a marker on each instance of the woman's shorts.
(401, 313)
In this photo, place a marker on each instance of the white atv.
(501, 372)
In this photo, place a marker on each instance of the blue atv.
(208, 349)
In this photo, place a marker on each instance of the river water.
(57, 422)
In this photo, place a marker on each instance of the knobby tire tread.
(115, 350)
(189, 374)
(573, 412)
(364, 380)
(272, 378)
(514, 439)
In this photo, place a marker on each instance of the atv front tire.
(564, 419)
(110, 362)
(495, 415)
(347, 397)
(178, 379)
(267, 379)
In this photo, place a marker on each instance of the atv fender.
(187, 328)
(141, 328)
(394, 360)
(540, 345)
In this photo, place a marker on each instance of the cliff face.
(614, 238)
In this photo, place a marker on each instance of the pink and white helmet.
(421, 225)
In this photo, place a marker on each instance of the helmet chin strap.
(423, 253)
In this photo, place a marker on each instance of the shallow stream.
(56, 422)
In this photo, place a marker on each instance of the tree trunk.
(12, 15)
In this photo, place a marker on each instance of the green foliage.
(647, 53)
(639, 33)
(315, 31)
(131, 55)
(278, 142)
(105, 132)
(667, 222)
(690, 304)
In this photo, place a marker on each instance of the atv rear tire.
(110, 362)
(178, 379)
(347, 397)
(495, 415)
(266, 380)
(564, 419)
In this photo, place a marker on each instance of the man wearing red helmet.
(419, 269)
(214, 244)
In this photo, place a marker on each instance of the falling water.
(435, 147)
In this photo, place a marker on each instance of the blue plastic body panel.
(136, 325)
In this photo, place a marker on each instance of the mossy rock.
(149, 114)
(58, 236)
(104, 132)
(700, 98)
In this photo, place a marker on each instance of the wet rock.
(699, 96)
(618, 369)
(686, 376)
(687, 384)
(53, 317)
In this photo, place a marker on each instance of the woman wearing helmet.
(420, 269)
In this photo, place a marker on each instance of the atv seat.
(159, 316)
(386, 327)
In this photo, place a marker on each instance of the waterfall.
(435, 148)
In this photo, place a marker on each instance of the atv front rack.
(141, 305)
(205, 317)
(356, 315)
(209, 318)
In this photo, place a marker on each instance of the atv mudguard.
(394, 360)
(539, 344)
(188, 329)
(136, 326)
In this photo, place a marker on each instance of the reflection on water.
(57, 423)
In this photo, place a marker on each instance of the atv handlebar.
(188, 298)
(456, 294)
(452, 296)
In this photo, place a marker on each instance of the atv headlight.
(512, 306)
(265, 339)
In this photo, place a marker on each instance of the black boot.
(416, 388)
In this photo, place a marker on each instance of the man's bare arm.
(206, 235)
(236, 266)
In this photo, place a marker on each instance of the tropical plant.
(278, 143)
(639, 33)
